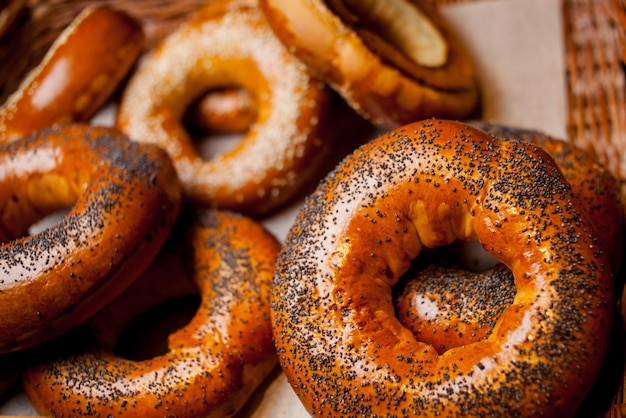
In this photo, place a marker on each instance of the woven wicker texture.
(597, 111)
(595, 36)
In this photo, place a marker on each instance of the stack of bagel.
(360, 306)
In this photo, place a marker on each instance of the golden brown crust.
(594, 186)
(214, 362)
(369, 71)
(277, 155)
(77, 75)
(422, 186)
(124, 198)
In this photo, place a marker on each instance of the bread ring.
(224, 110)
(276, 156)
(425, 185)
(213, 364)
(124, 198)
(393, 63)
(77, 75)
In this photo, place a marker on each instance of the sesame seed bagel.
(123, 199)
(229, 44)
(211, 365)
(426, 185)
(77, 75)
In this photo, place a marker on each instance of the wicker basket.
(595, 36)
(596, 50)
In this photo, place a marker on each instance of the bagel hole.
(214, 145)
(48, 221)
(146, 335)
(467, 255)
(217, 120)
(457, 296)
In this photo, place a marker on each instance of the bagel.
(425, 185)
(279, 152)
(76, 76)
(393, 64)
(123, 199)
(212, 364)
